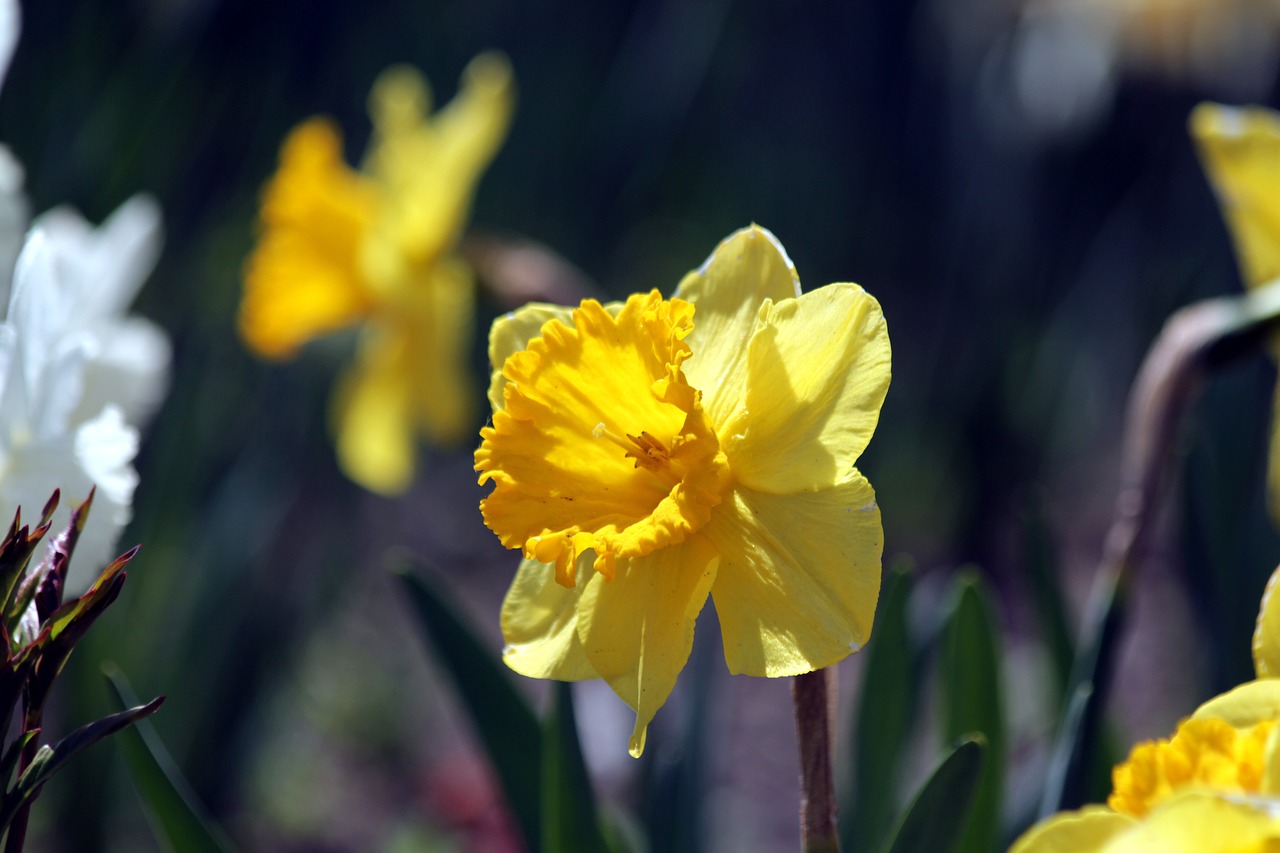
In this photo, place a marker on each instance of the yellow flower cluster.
(374, 248)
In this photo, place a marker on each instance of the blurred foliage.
(1023, 273)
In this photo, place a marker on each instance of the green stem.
(812, 695)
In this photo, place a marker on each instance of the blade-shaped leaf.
(1081, 737)
(503, 720)
(569, 818)
(940, 811)
(885, 712)
(972, 696)
(178, 820)
(50, 759)
(1051, 613)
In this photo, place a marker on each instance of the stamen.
(648, 452)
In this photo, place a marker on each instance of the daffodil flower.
(1226, 755)
(1240, 150)
(649, 454)
(375, 248)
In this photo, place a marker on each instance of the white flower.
(126, 358)
(44, 352)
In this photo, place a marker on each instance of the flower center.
(601, 444)
(1202, 752)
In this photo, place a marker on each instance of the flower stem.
(812, 694)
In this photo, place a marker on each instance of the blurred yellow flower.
(1240, 150)
(374, 247)
(649, 454)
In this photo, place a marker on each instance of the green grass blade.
(935, 819)
(178, 819)
(972, 692)
(503, 720)
(885, 712)
(569, 819)
(1046, 593)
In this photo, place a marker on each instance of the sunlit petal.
(727, 291)
(637, 629)
(1082, 831)
(540, 623)
(817, 372)
(799, 578)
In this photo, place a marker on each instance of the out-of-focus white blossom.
(77, 375)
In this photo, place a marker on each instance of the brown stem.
(17, 837)
(813, 696)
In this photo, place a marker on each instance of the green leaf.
(972, 695)
(885, 712)
(505, 724)
(50, 759)
(936, 817)
(569, 819)
(1046, 593)
(1081, 746)
(178, 820)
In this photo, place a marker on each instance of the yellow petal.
(302, 279)
(409, 381)
(1084, 831)
(816, 375)
(1266, 633)
(540, 624)
(438, 315)
(512, 332)
(1249, 704)
(427, 166)
(747, 268)
(374, 414)
(1240, 150)
(601, 444)
(637, 629)
(799, 576)
(1200, 822)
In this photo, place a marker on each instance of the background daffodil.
(1224, 758)
(375, 247)
(649, 454)
(1240, 150)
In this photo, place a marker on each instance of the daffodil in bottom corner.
(650, 454)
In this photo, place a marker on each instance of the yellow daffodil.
(1225, 758)
(375, 247)
(648, 454)
(1240, 150)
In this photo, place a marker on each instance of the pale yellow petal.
(438, 317)
(427, 165)
(1084, 831)
(817, 372)
(303, 278)
(373, 415)
(1249, 704)
(799, 576)
(511, 333)
(1240, 150)
(1200, 822)
(540, 623)
(1270, 784)
(1266, 632)
(637, 629)
(727, 291)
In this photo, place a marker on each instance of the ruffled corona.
(1207, 753)
(601, 443)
